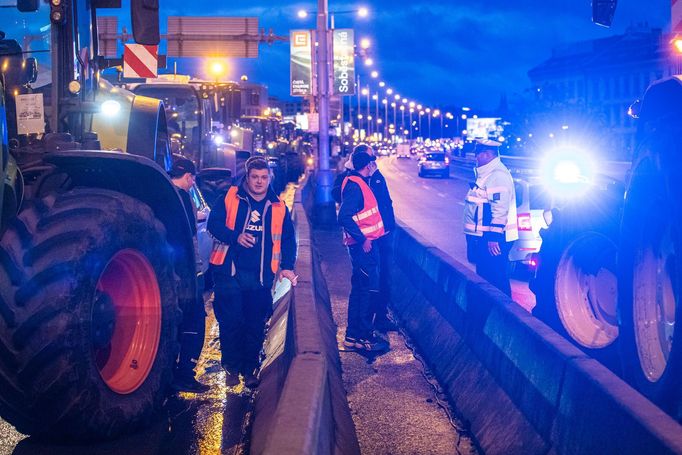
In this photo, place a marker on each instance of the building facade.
(584, 90)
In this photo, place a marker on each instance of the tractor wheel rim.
(654, 303)
(130, 281)
(586, 301)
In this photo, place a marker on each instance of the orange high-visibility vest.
(368, 218)
(276, 226)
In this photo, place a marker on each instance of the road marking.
(427, 187)
(441, 195)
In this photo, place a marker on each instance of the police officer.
(362, 225)
(490, 216)
(377, 184)
(193, 327)
(256, 243)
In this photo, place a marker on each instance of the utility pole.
(324, 211)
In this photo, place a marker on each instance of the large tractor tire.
(88, 316)
(650, 286)
(576, 284)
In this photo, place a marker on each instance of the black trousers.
(192, 333)
(242, 307)
(380, 304)
(494, 269)
(364, 289)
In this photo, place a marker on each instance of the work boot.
(189, 384)
(231, 378)
(372, 344)
(251, 381)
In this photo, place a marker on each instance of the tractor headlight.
(110, 108)
(568, 173)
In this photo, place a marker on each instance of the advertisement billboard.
(301, 63)
(343, 82)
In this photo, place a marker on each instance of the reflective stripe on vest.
(368, 218)
(276, 226)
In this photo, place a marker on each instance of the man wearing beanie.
(362, 225)
(377, 184)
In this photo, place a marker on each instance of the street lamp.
(375, 97)
(217, 69)
(363, 12)
(374, 74)
(365, 43)
(369, 61)
(365, 92)
(385, 103)
(402, 117)
(411, 112)
(389, 91)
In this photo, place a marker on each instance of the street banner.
(344, 62)
(301, 63)
(140, 60)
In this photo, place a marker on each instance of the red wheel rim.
(133, 293)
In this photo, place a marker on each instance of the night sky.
(434, 52)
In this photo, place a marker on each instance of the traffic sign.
(140, 60)
(213, 37)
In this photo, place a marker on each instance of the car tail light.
(524, 222)
(447, 160)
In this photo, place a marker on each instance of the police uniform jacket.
(490, 205)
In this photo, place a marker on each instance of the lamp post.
(325, 210)
(428, 116)
(377, 120)
(385, 103)
(421, 114)
(411, 112)
(365, 91)
(402, 119)
(394, 120)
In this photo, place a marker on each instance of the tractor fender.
(142, 179)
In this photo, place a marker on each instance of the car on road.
(533, 213)
(403, 151)
(434, 163)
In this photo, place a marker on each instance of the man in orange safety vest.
(362, 224)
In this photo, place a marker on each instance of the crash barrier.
(520, 386)
(301, 406)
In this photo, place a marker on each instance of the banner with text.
(344, 62)
(301, 63)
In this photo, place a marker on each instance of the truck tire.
(650, 281)
(576, 286)
(88, 316)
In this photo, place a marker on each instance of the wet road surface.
(215, 422)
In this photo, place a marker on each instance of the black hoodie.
(216, 226)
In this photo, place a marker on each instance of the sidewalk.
(395, 409)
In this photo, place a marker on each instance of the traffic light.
(57, 11)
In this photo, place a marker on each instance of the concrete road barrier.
(300, 406)
(521, 387)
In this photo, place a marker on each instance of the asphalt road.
(433, 207)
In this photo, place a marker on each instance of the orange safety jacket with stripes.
(271, 253)
(368, 218)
